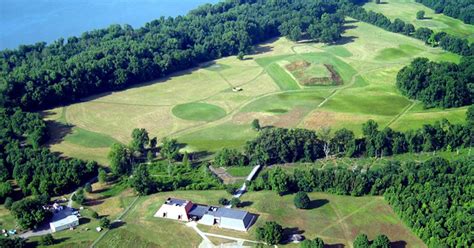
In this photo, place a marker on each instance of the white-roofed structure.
(64, 223)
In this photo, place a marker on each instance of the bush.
(8, 203)
(231, 188)
(316, 243)
(381, 241)
(302, 200)
(88, 188)
(223, 201)
(235, 202)
(361, 241)
(95, 215)
(47, 240)
(270, 233)
(105, 223)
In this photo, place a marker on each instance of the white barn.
(64, 223)
(227, 218)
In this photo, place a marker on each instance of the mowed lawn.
(337, 219)
(199, 108)
(406, 10)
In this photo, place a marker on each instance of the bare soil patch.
(301, 69)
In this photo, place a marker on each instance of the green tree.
(271, 233)
(88, 187)
(420, 15)
(47, 240)
(240, 56)
(102, 175)
(139, 139)
(381, 241)
(170, 149)
(361, 241)
(120, 159)
(256, 125)
(235, 202)
(315, 243)
(29, 213)
(141, 180)
(301, 200)
(6, 189)
(95, 215)
(279, 180)
(149, 156)
(223, 201)
(104, 222)
(378, 1)
(79, 196)
(185, 159)
(8, 203)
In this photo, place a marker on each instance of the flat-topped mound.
(309, 74)
(197, 111)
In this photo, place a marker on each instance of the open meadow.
(283, 84)
(336, 219)
(406, 10)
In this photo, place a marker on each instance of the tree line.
(460, 9)
(281, 145)
(446, 41)
(431, 197)
(442, 84)
(40, 76)
(34, 168)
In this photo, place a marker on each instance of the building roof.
(65, 221)
(229, 213)
(176, 202)
(198, 210)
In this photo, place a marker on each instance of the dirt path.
(397, 117)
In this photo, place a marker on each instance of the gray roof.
(198, 210)
(229, 213)
(176, 202)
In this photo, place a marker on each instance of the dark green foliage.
(139, 139)
(231, 188)
(121, 160)
(29, 212)
(301, 200)
(443, 84)
(170, 149)
(278, 145)
(431, 197)
(102, 175)
(79, 196)
(6, 190)
(381, 241)
(271, 233)
(460, 9)
(315, 243)
(34, 168)
(343, 143)
(40, 75)
(12, 242)
(88, 188)
(361, 241)
(104, 222)
(447, 42)
(95, 215)
(235, 202)
(256, 125)
(420, 15)
(47, 240)
(141, 180)
(8, 203)
(230, 157)
(222, 201)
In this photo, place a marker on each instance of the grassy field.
(406, 10)
(337, 219)
(199, 108)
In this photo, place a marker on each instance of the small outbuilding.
(70, 221)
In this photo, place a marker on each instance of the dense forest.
(444, 84)
(432, 197)
(35, 169)
(460, 9)
(446, 41)
(280, 145)
(39, 76)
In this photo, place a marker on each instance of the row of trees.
(35, 169)
(432, 197)
(460, 9)
(446, 41)
(442, 84)
(39, 76)
(279, 145)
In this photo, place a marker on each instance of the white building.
(64, 223)
(176, 209)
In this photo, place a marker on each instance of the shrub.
(47, 240)
(104, 223)
(301, 200)
(270, 233)
(235, 202)
(223, 201)
(8, 203)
